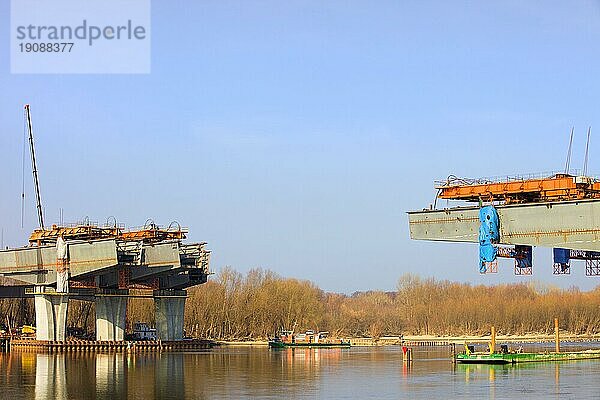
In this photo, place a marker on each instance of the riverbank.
(433, 340)
(527, 338)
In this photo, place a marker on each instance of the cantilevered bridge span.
(560, 211)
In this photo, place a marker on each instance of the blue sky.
(294, 136)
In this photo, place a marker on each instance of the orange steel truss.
(558, 187)
(148, 234)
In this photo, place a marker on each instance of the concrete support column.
(50, 314)
(111, 310)
(169, 306)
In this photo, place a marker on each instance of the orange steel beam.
(152, 235)
(81, 232)
(559, 187)
(89, 232)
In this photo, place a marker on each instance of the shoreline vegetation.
(238, 308)
(442, 340)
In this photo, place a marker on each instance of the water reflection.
(406, 367)
(309, 359)
(519, 371)
(290, 373)
(97, 375)
(557, 378)
(50, 378)
(111, 379)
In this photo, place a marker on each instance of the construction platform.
(520, 189)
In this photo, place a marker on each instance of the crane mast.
(36, 180)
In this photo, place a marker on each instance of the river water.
(257, 372)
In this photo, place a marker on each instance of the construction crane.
(36, 181)
(149, 233)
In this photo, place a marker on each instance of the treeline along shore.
(236, 306)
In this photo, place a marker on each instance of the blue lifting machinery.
(563, 257)
(489, 251)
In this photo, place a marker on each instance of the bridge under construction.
(508, 216)
(103, 264)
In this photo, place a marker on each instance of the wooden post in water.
(556, 336)
(493, 341)
(406, 354)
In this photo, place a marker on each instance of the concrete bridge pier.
(169, 306)
(50, 314)
(111, 310)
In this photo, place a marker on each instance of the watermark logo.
(74, 36)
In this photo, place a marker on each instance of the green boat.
(514, 358)
(505, 356)
(309, 339)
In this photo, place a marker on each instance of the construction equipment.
(513, 214)
(520, 189)
(36, 180)
(563, 257)
(149, 233)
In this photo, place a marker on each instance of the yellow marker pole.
(493, 341)
(556, 336)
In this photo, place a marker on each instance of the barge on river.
(506, 356)
(285, 339)
(514, 358)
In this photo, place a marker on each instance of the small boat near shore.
(285, 339)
